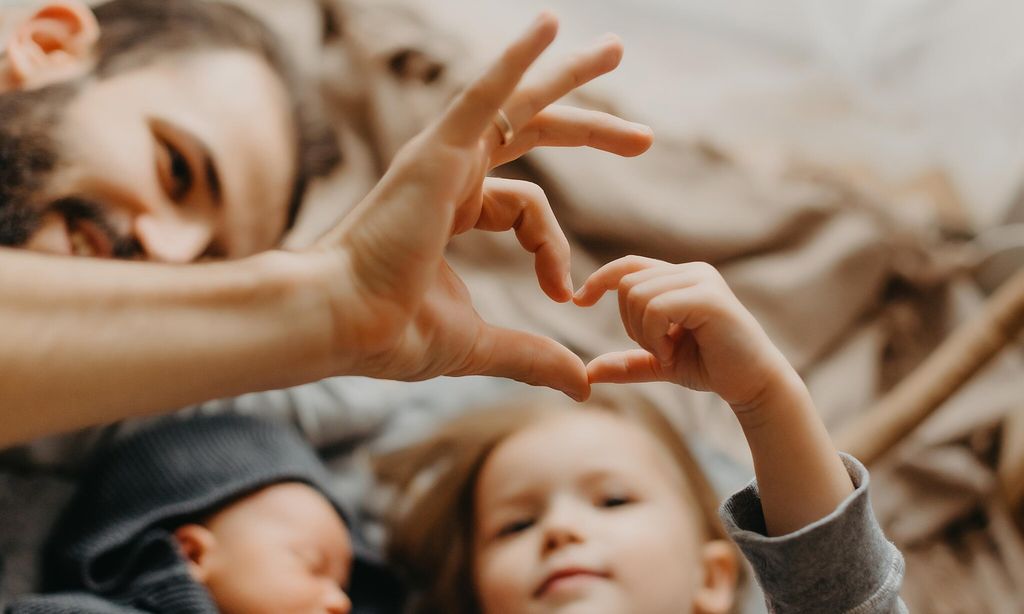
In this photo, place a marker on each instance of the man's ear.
(197, 543)
(54, 44)
(717, 592)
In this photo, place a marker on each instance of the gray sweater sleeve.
(841, 563)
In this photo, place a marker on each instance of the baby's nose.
(337, 601)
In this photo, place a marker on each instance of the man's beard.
(28, 159)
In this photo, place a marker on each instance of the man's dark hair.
(135, 33)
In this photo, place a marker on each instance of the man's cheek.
(50, 235)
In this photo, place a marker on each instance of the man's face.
(584, 513)
(189, 156)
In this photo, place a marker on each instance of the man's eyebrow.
(209, 167)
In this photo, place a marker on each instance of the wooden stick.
(959, 357)
(1010, 469)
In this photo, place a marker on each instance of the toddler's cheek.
(502, 582)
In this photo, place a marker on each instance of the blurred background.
(854, 169)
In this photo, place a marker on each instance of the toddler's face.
(282, 550)
(584, 512)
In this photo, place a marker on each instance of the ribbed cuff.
(839, 563)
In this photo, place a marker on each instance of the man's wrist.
(297, 287)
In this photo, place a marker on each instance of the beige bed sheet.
(853, 291)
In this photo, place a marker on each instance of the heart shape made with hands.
(414, 318)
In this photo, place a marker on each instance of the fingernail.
(568, 283)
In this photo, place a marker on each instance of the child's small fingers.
(629, 311)
(661, 322)
(608, 277)
(686, 308)
(523, 206)
(473, 110)
(647, 304)
(630, 366)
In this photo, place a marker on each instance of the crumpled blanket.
(853, 292)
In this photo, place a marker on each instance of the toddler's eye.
(516, 526)
(615, 501)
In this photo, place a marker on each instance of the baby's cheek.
(279, 590)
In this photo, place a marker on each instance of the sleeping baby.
(223, 513)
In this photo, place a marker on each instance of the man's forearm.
(87, 342)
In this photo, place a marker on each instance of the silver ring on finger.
(504, 126)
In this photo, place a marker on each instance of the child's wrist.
(782, 398)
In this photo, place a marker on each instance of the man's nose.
(172, 238)
(337, 601)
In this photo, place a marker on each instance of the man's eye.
(176, 173)
(516, 526)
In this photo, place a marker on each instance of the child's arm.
(806, 525)
(694, 332)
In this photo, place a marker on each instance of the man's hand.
(400, 312)
(693, 331)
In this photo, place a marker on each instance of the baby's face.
(282, 550)
(584, 512)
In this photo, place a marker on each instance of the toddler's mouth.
(567, 576)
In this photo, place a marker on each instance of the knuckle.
(703, 269)
(634, 261)
(629, 281)
(632, 301)
(535, 194)
(658, 305)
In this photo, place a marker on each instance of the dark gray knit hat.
(138, 491)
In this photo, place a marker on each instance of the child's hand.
(696, 333)
(693, 331)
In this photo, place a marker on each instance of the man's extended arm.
(88, 341)
(93, 342)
